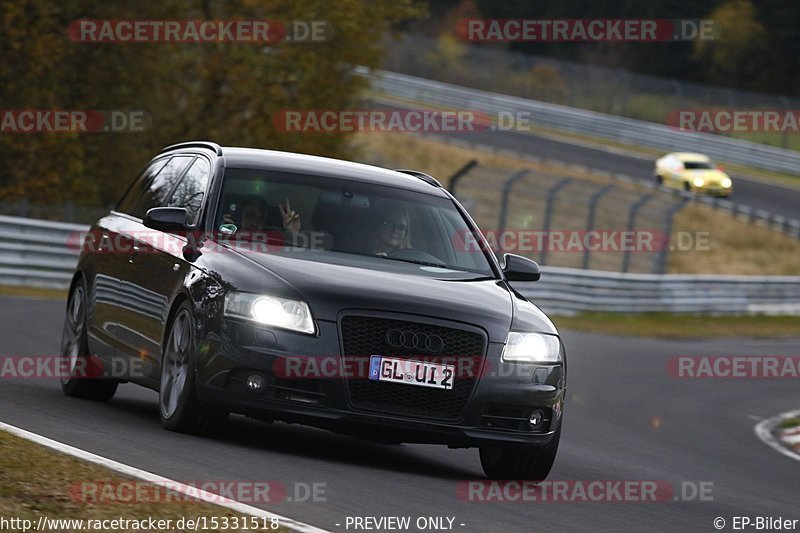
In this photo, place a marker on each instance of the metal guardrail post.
(453, 181)
(548, 215)
(507, 186)
(660, 266)
(593, 201)
(626, 260)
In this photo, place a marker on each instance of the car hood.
(330, 288)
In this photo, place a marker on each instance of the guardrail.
(40, 253)
(37, 253)
(559, 117)
(569, 290)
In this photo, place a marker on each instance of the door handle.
(134, 253)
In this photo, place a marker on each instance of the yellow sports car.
(693, 172)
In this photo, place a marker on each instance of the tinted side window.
(191, 189)
(128, 201)
(157, 193)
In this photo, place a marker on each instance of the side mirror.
(518, 268)
(166, 218)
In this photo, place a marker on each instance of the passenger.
(254, 216)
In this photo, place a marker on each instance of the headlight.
(698, 182)
(531, 348)
(726, 182)
(270, 310)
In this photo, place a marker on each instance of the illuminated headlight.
(698, 182)
(726, 182)
(531, 348)
(270, 311)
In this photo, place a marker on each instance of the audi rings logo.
(416, 341)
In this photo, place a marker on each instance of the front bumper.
(496, 411)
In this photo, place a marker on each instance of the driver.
(393, 233)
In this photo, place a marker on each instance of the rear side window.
(190, 191)
(157, 193)
(128, 201)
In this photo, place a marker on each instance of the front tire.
(177, 397)
(530, 463)
(75, 349)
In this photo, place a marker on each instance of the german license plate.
(410, 372)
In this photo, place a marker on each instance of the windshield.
(335, 216)
(697, 165)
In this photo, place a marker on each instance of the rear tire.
(75, 349)
(531, 463)
(659, 179)
(177, 397)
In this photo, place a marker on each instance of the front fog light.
(255, 383)
(531, 348)
(536, 419)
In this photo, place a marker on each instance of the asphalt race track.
(779, 200)
(626, 419)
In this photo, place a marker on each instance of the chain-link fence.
(573, 84)
(560, 221)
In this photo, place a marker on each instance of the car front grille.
(363, 336)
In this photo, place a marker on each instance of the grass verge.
(33, 292)
(675, 326)
(40, 482)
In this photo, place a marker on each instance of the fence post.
(548, 214)
(593, 201)
(626, 260)
(660, 266)
(453, 181)
(507, 186)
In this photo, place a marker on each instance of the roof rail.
(421, 175)
(209, 145)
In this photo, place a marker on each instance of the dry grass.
(734, 246)
(40, 482)
(33, 292)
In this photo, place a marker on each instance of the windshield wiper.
(417, 262)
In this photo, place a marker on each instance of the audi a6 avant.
(692, 172)
(316, 291)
